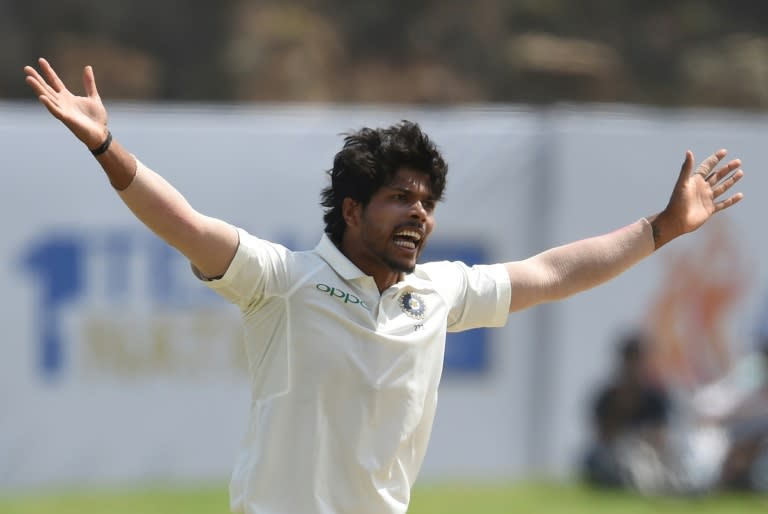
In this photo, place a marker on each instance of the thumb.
(686, 168)
(89, 82)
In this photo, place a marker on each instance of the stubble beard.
(393, 264)
(397, 266)
(369, 239)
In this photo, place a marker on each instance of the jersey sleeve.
(477, 296)
(260, 270)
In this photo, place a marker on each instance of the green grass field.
(443, 499)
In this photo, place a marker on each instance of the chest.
(402, 312)
(353, 331)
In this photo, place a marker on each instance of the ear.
(351, 210)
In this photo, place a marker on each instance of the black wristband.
(104, 146)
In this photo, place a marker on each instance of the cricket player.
(345, 342)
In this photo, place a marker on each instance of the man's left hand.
(696, 196)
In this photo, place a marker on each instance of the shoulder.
(458, 278)
(438, 269)
(443, 276)
(250, 243)
(458, 272)
(270, 257)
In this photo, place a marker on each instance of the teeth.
(406, 244)
(409, 233)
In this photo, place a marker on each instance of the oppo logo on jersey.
(341, 295)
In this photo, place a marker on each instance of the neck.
(386, 280)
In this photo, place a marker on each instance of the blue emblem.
(413, 305)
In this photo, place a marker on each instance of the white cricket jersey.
(344, 379)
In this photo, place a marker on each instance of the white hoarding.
(117, 366)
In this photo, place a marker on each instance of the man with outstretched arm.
(345, 342)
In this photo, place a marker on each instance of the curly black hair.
(369, 160)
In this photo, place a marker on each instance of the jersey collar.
(330, 253)
(337, 260)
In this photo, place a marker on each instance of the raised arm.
(210, 244)
(565, 270)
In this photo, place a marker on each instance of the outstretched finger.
(51, 76)
(725, 185)
(89, 82)
(37, 82)
(43, 95)
(708, 164)
(717, 176)
(719, 206)
(52, 106)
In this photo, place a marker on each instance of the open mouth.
(408, 239)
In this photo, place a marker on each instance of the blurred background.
(678, 53)
(122, 380)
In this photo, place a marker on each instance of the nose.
(418, 211)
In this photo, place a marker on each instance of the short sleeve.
(477, 296)
(259, 270)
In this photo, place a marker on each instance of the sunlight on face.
(397, 221)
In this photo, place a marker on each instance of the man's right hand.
(85, 116)
(210, 244)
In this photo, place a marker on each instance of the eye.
(400, 196)
(429, 205)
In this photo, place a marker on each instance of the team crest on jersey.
(413, 305)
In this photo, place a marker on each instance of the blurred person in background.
(630, 418)
(737, 403)
(346, 342)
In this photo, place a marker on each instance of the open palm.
(696, 196)
(85, 116)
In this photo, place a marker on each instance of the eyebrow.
(409, 190)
